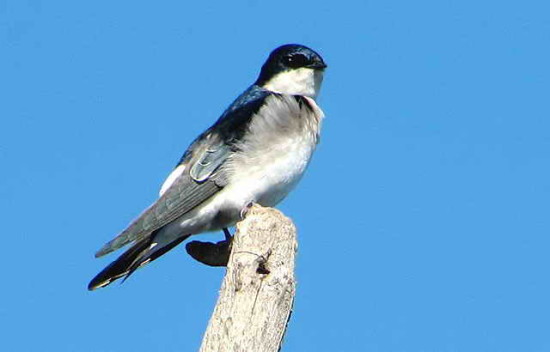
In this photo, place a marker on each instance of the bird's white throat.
(302, 81)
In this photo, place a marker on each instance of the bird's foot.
(245, 210)
(209, 253)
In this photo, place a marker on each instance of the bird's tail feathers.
(140, 254)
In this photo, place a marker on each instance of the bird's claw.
(245, 210)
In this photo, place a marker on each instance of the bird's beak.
(318, 65)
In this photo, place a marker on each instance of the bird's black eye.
(296, 60)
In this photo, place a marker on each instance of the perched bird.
(256, 152)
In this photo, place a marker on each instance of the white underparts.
(171, 178)
(271, 160)
(276, 152)
(302, 81)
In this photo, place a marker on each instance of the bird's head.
(293, 69)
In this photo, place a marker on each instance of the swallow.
(256, 152)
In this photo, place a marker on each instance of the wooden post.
(258, 290)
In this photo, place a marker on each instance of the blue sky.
(423, 219)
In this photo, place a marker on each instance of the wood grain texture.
(258, 290)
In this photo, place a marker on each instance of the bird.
(255, 153)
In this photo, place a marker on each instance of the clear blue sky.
(423, 220)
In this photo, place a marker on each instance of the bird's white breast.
(272, 158)
(276, 151)
(272, 172)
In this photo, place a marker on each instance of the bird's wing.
(203, 174)
(209, 161)
(184, 194)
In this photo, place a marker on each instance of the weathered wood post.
(257, 293)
